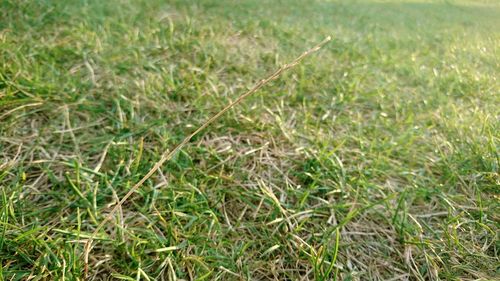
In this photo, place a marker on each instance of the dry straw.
(169, 154)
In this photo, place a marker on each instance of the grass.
(375, 159)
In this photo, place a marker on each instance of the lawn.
(376, 158)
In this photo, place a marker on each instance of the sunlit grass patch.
(375, 159)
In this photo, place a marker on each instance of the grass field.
(375, 159)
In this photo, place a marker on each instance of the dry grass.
(169, 154)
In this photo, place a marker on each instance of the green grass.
(376, 158)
